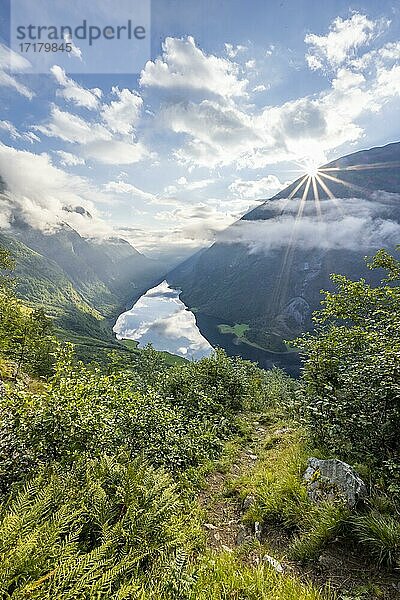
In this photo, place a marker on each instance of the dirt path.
(339, 566)
(223, 512)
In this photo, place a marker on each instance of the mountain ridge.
(273, 285)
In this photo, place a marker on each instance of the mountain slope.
(266, 271)
(82, 283)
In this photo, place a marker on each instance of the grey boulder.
(333, 479)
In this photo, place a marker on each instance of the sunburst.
(313, 179)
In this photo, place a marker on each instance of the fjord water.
(159, 317)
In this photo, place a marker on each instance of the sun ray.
(345, 183)
(316, 197)
(329, 194)
(296, 189)
(325, 187)
(371, 166)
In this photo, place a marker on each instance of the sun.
(311, 168)
(312, 171)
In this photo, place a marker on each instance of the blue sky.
(236, 99)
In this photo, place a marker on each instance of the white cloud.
(10, 60)
(75, 50)
(17, 135)
(215, 131)
(121, 115)
(42, 194)
(185, 66)
(361, 224)
(260, 88)
(71, 128)
(68, 159)
(115, 152)
(232, 51)
(123, 187)
(257, 189)
(345, 37)
(74, 92)
(97, 142)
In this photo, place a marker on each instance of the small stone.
(274, 563)
(209, 526)
(226, 548)
(257, 530)
(253, 456)
(242, 536)
(248, 502)
(217, 537)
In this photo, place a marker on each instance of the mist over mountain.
(265, 272)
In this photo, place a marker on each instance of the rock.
(332, 479)
(257, 530)
(253, 456)
(248, 502)
(210, 526)
(243, 536)
(274, 563)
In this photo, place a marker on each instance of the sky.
(235, 100)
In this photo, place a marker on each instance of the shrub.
(85, 412)
(352, 372)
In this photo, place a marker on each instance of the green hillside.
(151, 481)
(82, 285)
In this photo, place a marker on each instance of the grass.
(221, 576)
(380, 533)
(239, 329)
(170, 359)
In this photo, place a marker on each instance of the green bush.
(177, 420)
(352, 371)
(26, 335)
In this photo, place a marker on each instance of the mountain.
(259, 283)
(83, 283)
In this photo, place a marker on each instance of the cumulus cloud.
(344, 38)
(123, 187)
(232, 51)
(40, 196)
(185, 66)
(71, 128)
(215, 126)
(68, 159)
(13, 132)
(121, 115)
(183, 185)
(72, 91)
(12, 61)
(95, 139)
(350, 224)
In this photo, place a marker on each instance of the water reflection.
(160, 317)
